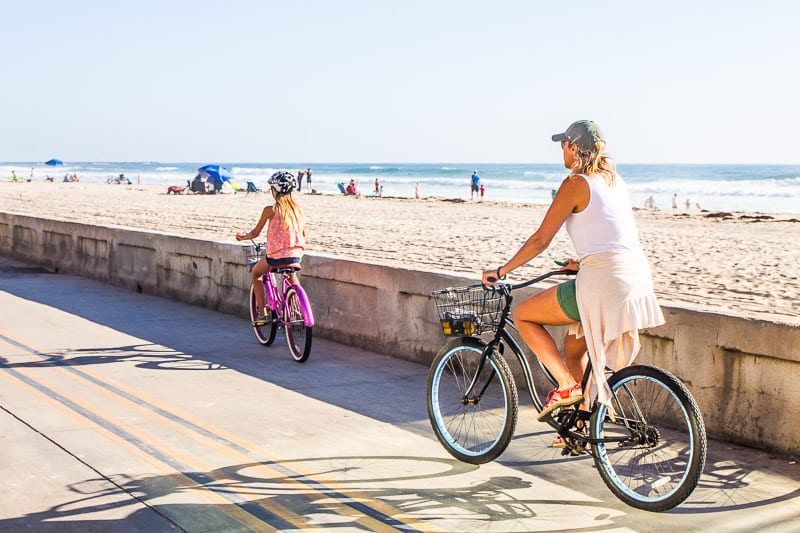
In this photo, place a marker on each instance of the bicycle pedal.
(574, 448)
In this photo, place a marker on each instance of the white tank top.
(607, 224)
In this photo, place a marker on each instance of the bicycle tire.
(298, 333)
(476, 431)
(659, 463)
(266, 333)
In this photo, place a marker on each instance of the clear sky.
(398, 81)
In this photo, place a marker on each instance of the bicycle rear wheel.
(477, 429)
(654, 450)
(298, 334)
(266, 332)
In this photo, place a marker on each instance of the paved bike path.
(125, 412)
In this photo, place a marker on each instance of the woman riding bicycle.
(612, 296)
(286, 235)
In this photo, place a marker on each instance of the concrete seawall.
(742, 372)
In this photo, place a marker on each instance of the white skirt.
(615, 298)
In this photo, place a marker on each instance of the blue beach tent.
(216, 174)
(54, 162)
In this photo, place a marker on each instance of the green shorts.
(567, 300)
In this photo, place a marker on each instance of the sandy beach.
(739, 263)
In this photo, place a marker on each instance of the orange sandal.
(561, 398)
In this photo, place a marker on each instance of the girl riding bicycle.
(612, 296)
(286, 235)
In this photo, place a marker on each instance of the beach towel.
(615, 298)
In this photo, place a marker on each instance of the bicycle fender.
(305, 305)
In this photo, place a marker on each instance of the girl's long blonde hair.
(289, 212)
(595, 163)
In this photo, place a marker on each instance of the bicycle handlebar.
(530, 282)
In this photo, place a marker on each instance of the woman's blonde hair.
(594, 163)
(289, 212)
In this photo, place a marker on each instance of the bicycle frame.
(275, 295)
(568, 419)
(503, 336)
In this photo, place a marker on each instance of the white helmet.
(283, 182)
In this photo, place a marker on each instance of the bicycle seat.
(286, 269)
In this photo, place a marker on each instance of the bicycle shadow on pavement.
(332, 492)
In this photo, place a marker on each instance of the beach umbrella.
(54, 162)
(216, 173)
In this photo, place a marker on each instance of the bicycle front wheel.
(477, 428)
(652, 451)
(298, 333)
(264, 333)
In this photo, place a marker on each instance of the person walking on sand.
(308, 180)
(611, 298)
(286, 236)
(474, 185)
(14, 176)
(483, 190)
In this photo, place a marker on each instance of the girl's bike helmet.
(283, 182)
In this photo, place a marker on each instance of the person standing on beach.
(611, 298)
(416, 191)
(675, 201)
(475, 185)
(300, 175)
(377, 187)
(14, 176)
(483, 190)
(308, 180)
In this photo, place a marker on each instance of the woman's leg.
(576, 355)
(530, 317)
(258, 286)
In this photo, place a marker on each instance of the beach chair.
(251, 187)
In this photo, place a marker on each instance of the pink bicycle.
(288, 305)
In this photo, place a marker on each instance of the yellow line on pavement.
(266, 455)
(343, 508)
(216, 500)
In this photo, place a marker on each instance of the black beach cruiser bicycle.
(649, 445)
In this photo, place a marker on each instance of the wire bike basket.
(469, 310)
(253, 254)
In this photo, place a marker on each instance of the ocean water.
(759, 188)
